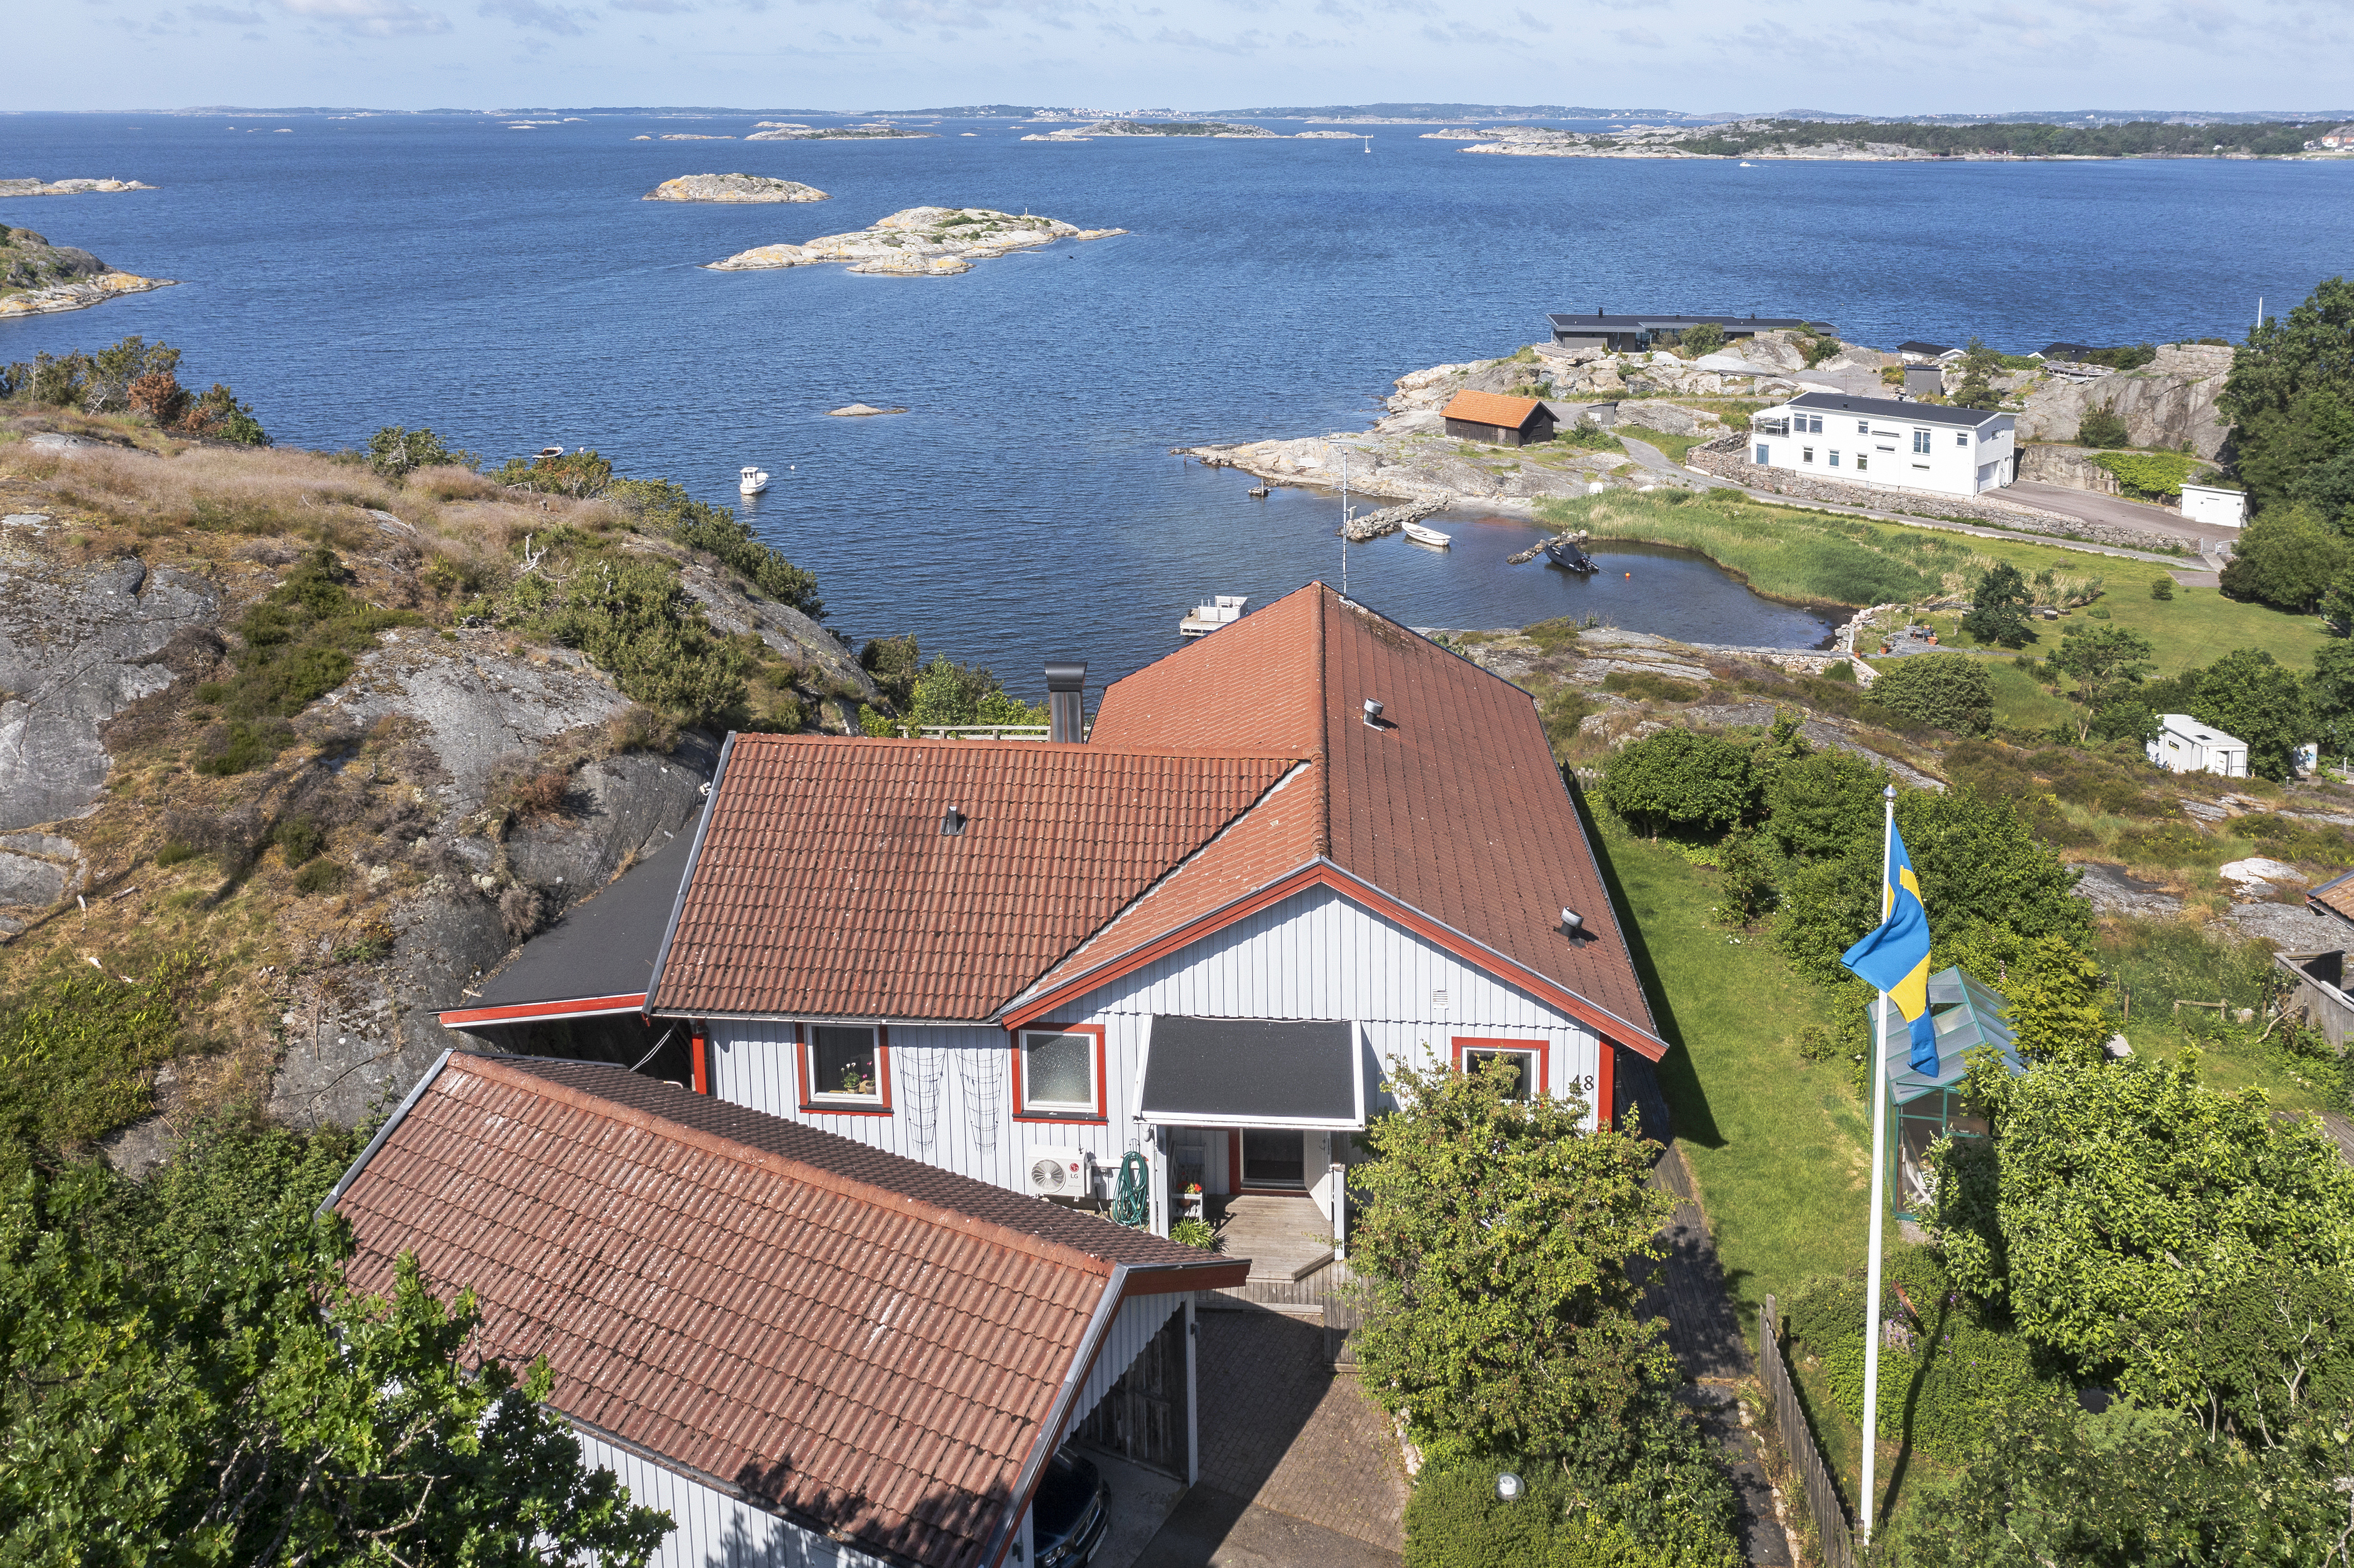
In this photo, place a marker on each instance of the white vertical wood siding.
(1133, 1328)
(1314, 955)
(710, 1528)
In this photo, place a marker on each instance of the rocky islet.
(919, 242)
(733, 188)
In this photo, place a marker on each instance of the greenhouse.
(1928, 1105)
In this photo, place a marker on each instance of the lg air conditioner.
(1061, 1172)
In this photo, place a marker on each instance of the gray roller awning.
(1252, 1072)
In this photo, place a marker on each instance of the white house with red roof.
(1183, 952)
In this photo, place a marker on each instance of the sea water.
(510, 289)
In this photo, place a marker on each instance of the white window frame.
(1862, 461)
(1765, 454)
(1921, 441)
(1961, 438)
(1863, 427)
(1834, 459)
(876, 1056)
(1805, 454)
(1091, 1109)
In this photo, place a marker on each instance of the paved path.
(2094, 507)
(1299, 1467)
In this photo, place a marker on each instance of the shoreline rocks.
(860, 412)
(38, 278)
(919, 242)
(733, 189)
(32, 187)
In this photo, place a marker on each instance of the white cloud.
(370, 18)
(225, 17)
(1638, 37)
(539, 16)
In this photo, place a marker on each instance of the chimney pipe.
(1066, 701)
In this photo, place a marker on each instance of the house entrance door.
(1275, 1158)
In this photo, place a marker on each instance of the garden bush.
(1454, 1520)
(2153, 476)
(1950, 691)
(1678, 778)
(1645, 686)
(2101, 427)
(2161, 589)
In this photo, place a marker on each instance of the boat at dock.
(1222, 610)
(1569, 554)
(1421, 534)
(754, 480)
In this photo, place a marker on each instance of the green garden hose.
(1132, 1201)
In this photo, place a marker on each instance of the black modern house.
(1632, 334)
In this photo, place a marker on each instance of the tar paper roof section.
(1890, 409)
(597, 959)
(824, 885)
(2334, 896)
(1492, 409)
(1448, 813)
(875, 1348)
(1926, 350)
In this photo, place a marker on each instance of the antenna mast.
(1345, 522)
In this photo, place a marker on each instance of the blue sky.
(1855, 55)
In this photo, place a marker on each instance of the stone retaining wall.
(1728, 459)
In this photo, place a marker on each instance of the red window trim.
(806, 1072)
(1541, 1049)
(1103, 1087)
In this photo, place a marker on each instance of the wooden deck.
(1287, 1239)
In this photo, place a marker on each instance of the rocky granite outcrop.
(30, 187)
(38, 278)
(789, 131)
(2166, 403)
(919, 242)
(733, 189)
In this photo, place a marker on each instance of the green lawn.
(2195, 627)
(1674, 445)
(1779, 1146)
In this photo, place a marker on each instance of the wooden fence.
(1835, 1541)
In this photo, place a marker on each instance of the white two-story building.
(1885, 442)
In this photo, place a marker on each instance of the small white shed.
(2186, 745)
(2213, 504)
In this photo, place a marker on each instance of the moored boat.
(1565, 553)
(1222, 609)
(754, 480)
(1424, 535)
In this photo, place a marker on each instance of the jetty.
(1388, 520)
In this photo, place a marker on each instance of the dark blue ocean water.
(509, 290)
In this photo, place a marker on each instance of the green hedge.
(1454, 1520)
(2157, 474)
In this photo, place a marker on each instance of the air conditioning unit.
(1060, 1172)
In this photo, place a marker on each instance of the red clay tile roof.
(824, 886)
(1454, 806)
(1490, 409)
(870, 1345)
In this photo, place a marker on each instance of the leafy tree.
(2161, 587)
(1493, 1327)
(1979, 864)
(1998, 612)
(2286, 559)
(1822, 806)
(249, 1408)
(1678, 778)
(2246, 694)
(579, 474)
(2116, 1203)
(2052, 1004)
(1748, 877)
(1695, 341)
(219, 417)
(2101, 427)
(894, 663)
(1948, 689)
(2290, 393)
(948, 693)
(1454, 1520)
(2105, 660)
(2329, 698)
(395, 453)
(2326, 488)
(114, 372)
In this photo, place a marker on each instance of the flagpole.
(1879, 1089)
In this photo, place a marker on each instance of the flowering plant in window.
(854, 1082)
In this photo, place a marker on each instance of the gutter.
(382, 1133)
(686, 879)
(1049, 1435)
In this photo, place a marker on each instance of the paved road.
(2093, 507)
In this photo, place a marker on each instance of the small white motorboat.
(1422, 535)
(551, 451)
(1747, 164)
(1220, 610)
(755, 480)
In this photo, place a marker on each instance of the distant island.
(1758, 140)
(38, 278)
(787, 130)
(30, 187)
(733, 189)
(920, 242)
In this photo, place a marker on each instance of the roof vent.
(1572, 922)
(1372, 715)
(952, 824)
(1066, 701)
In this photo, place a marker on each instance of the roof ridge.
(969, 743)
(1324, 721)
(782, 1164)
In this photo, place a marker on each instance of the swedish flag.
(1895, 956)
